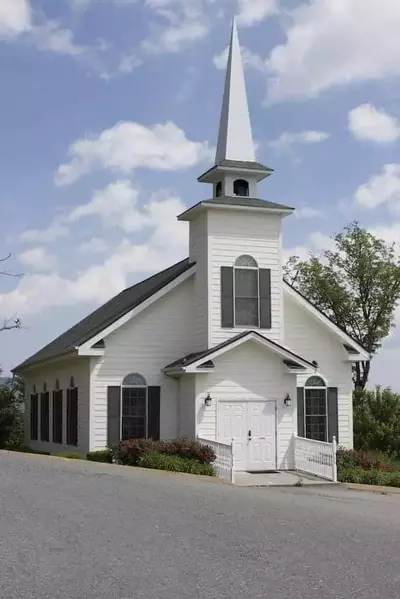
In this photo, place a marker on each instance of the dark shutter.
(300, 412)
(333, 420)
(113, 415)
(58, 416)
(34, 416)
(227, 297)
(265, 298)
(45, 416)
(72, 416)
(153, 422)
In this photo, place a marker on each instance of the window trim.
(253, 268)
(318, 388)
(146, 418)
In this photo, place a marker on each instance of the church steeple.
(235, 172)
(235, 140)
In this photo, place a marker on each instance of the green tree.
(377, 420)
(12, 414)
(356, 284)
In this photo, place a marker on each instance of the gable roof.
(108, 313)
(291, 359)
(236, 201)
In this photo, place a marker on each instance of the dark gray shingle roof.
(238, 201)
(111, 311)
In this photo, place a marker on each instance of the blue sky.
(109, 111)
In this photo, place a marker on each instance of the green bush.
(369, 477)
(377, 420)
(26, 449)
(366, 460)
(11, 415)
(103, 455)
(71, 455)
(130, 451)
(174, 463)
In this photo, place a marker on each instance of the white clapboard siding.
(244, 373)
(228, 235)
(310, 338)
(157, 336)
(62, 370)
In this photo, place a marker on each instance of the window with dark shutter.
(72, 416)
(34, 415)
(153, 425)
(45, 416)
(58, 416)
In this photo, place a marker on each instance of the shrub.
(130, 451)
(350, 458)
(11, 415)
(104, 455)
(175, 463)
(369, 477)
(71, 455)
(26, 449)
(377, 420)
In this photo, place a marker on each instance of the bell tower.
(235, 171)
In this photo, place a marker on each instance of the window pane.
(246, 312)
(133, 413)
(246, 260)
(315, 408)
(134, 379)
(246, 283)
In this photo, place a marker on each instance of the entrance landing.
(277, 479)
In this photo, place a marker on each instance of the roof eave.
(213, 174)
(21, 368)
(201, 206)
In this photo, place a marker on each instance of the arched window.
(246, 292)
(315, 409)
(134, 407)
(241, 187)
(134, 380)
(218, 189)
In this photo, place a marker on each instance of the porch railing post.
(334, 460)
(233, 465)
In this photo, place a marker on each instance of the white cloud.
(335, 42)
(116, 205)
(286, 140)
(305, 212)
(15, 17)
(50, 36)
(254, 11)
(95, 245)
(316, 242)
(54, 231)
(38, 259)
(380, 189)
(166, 242)
(373, 124)
(249, 59)
(128, 146)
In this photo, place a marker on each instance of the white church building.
(216, 347)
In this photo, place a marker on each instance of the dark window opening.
(72, 416)
(34, 416)
(218, 189)
(45, 417)
(246, 292)
(316, 414)
(57, 416)
(241, 187)
(134, 412)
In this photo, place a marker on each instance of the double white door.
(252, 426)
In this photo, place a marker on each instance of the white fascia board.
(249, 208)
(281, 352)
(87, 346)
(324, 320)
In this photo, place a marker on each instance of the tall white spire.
(235, 140)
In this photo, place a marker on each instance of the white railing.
(223, 465)
(316, 457)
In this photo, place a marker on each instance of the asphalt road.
(75, 529)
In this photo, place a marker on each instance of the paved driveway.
(78, 530)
